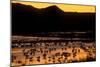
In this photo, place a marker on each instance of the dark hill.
(28, 20)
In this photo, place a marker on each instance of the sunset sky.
(64, 7)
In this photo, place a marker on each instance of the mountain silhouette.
(27, 19)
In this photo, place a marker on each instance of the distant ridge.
(27, 19)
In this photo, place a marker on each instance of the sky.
(64, 7)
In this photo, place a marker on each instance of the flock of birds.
(51, 53)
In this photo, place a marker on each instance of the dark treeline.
(28, 20)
